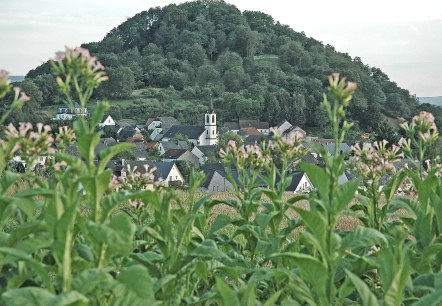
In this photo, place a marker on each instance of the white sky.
(403, 38)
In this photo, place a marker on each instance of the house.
(300, 183)
(109, 141)
(250, 131)
(107, 121)
(216, 178)
(204, 152)
(159, 125)
(164, 146)
(342, 148)
(197, 135)
(164, 171)
(181, 154)
(294, 131)
(262, 127)
(139, 151)
(283, 126)
(67, 113)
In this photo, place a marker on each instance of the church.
(198, 135)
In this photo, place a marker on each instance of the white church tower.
(210, 125)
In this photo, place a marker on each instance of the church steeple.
(210, 125)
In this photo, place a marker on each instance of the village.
(166, 145)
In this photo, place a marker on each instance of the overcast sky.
(402, 37)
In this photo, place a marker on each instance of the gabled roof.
(168, 122)
(207, 149)
(174, 144)
(257, 139)
(105, 118)
(343, 147)
(150, 145)
(149, 121)
(250, 131)
(294, 128)
(174, 153)
(163, 168)
(231, 126)
(253, 123)
(191, 131)
(109, 141)
(282, 122)
(296, 179)
(140, 150)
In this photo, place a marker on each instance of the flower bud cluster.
(340, 89)
(137, 180)
(261, 157)
(4, 83)
(77, 64)
(65, 137)
(374, 161)
(288, 148)
(245, 157)
(423, 126)
(26, 141)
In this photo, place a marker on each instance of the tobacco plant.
(78, 236)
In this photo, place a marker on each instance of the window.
(213, 118)
(213, 132)
(170, 178)
(207, 132)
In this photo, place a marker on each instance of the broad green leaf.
(135, 287)
(100, 110)
(363, 237)
(71, 298)
(368, 298)
(86, 144)
(116, 233)
(220, 222)
(35, 265)
(312, 270)
(207, 248)
(88, 280)
(318, 177)
(107, 154)
(28, 296)
(273, 299)
(228, 296)
(346, 193)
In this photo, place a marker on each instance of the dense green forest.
(254, 67)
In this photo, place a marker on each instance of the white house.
(300, 183)
(66, 113)
(107, 121)
(283, 126)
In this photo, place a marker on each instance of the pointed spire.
(211, 104)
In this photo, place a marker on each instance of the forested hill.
(253, 66)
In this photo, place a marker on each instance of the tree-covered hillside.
(253, 66)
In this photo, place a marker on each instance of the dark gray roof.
(253, 123)
(296, 178)
(140, 150)
(174, 153)
(255, 139)
(231, 126)
(211, 168)
(163, 168)
(168, 122)
(191, 131)
(175, 144)
(207, 149)
(343, 147)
